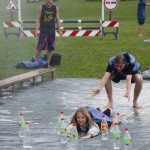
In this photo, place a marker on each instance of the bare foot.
(50, 67)
(137, 106)
(113, 112)
(109, 105)
(140, 35)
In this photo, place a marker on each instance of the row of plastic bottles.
(24, 131)
(114, 129)
(72, 139)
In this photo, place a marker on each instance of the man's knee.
(138, 79)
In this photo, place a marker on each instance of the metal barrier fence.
(67, 31)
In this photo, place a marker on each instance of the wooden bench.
(25, 76)
(32, 1)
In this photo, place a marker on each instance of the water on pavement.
(41, 105)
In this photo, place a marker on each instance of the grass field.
(83, 57)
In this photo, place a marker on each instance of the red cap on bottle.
(21, 114)
(74, 124)
(62, 119)
(27, 122)
(126, 129)
(118, 113)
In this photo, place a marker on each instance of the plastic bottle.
(114, 120)
(63, 133)
(26, 139)
(74, 137)
(21, 124)
(104, 128)
(127, 140)
(116, 137)
(61, 115)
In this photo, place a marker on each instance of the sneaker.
(140, 35)
(147, 40)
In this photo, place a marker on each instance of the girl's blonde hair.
(85, 112)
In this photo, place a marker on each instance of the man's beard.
(48, 4)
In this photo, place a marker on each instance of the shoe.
(140, 35)
(147, 40)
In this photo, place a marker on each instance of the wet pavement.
(42, 103)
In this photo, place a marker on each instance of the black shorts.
(141, 15)
(119, 77)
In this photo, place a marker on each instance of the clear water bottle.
(26, 139)
(104, 128)
(61, 115)
(21, 124)
(114, 120)
(116, 137)
(74, 137)
(63, 132)
(127, 140)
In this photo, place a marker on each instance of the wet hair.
(120, 59)
(85, 112)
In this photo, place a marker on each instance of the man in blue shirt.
(141, 15)
(120, 67)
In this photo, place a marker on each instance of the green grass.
(83, 57)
